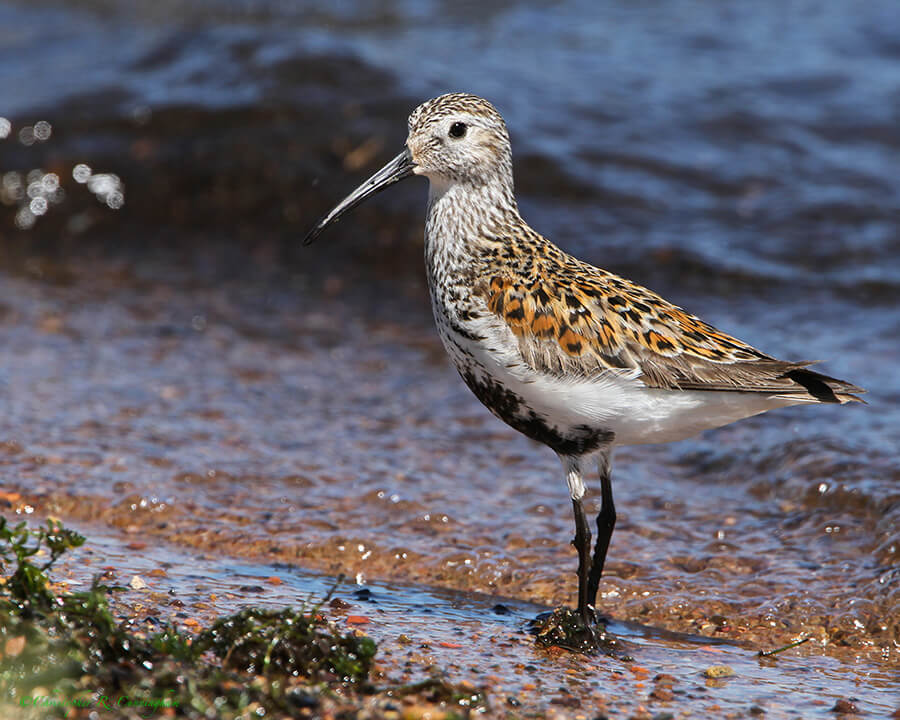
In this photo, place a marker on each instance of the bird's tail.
(822, 388)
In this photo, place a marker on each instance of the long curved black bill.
(397, 169)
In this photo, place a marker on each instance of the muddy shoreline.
(469, 654)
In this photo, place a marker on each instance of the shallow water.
(483, 640)
(177, 367)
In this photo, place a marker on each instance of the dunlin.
(568, 354)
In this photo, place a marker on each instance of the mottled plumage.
(568, 354)
(572, 319)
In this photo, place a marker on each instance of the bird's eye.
(458, 129)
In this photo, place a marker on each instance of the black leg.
(582, 543)
(606, 521)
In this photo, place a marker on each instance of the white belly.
(616, 402)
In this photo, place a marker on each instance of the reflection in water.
(32, 193)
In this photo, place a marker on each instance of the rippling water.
(173, 361)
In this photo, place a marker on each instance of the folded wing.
(591, 322)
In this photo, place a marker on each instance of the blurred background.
(173, 362)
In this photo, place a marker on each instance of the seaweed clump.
(66, 654)
(290, 643)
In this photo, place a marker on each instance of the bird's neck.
(464, 219)
(465, 226)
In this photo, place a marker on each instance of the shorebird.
(570, 355)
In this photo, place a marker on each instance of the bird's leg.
(582, 543)
(606, 521)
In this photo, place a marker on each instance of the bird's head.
(456, 138)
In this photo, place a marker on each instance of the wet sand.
(480, 642)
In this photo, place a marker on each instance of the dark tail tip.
(815, 385)
(823, 388)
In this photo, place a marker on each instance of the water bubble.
(81, 173)
(11, 180)
(38, 205)
(42, 130)
(108, 188)
(50, 182)
(100, 184)
(35, 189)
(25, 219)
(5, 128)
(26, 135)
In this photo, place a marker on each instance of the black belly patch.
(513, 410)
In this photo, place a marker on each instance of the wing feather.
(577, 319)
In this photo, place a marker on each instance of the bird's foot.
(570, 629)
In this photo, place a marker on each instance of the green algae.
(66, 654)
(287, 642)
